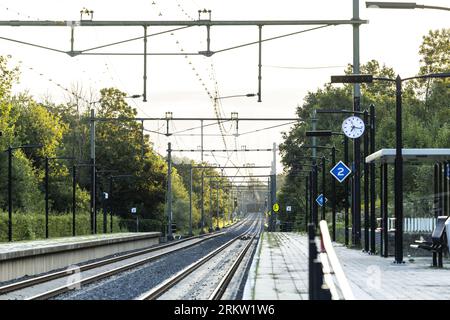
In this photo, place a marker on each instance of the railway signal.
(276, 207)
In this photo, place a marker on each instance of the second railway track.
(208, 277)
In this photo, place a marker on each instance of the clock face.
(353, 127)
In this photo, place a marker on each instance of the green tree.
(121, 146)
(25, 182)
(425, 117)
(435, 52)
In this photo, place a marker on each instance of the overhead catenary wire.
(215, 102)
(199, 78)
(56, 83)
(272, 38)
(116, 76)
(132, 39)
(267, 128)
(218, 109)
(198, 127)
(304, 68)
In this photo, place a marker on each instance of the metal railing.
(415, 224)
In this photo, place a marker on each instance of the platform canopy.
(413, 156)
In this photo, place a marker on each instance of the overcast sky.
(292, 66)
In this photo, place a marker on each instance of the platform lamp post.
(329, 133)
(10, 155)
(308, 176)
(398, 175)
(367, 145)
(311, 187)
(323, 164)
(47, 160)
(308, 188)
(356, 182)
(315, 181)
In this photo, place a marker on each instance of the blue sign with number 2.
(340, 171)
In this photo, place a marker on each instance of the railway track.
(41, 287)
(220, 288)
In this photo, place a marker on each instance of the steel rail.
(223, 285)
(59, 274)
(62, 289)
(64, 273)
(159, 290)
(72, 286)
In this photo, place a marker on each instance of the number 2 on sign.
(340, 172)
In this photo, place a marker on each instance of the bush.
(31, 226)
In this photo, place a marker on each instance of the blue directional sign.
(340, 171)
(321, 200)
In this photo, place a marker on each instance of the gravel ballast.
(131, 284)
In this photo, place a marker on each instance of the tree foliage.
(425, 120)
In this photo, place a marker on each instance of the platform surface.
(27, 248)
(374, 277)
(280, 272)
(280, 268)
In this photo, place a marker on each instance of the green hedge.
(31, 226)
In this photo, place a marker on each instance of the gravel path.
(131, 284)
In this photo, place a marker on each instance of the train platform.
(372, 277)
(27, 258)
(279, 271)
